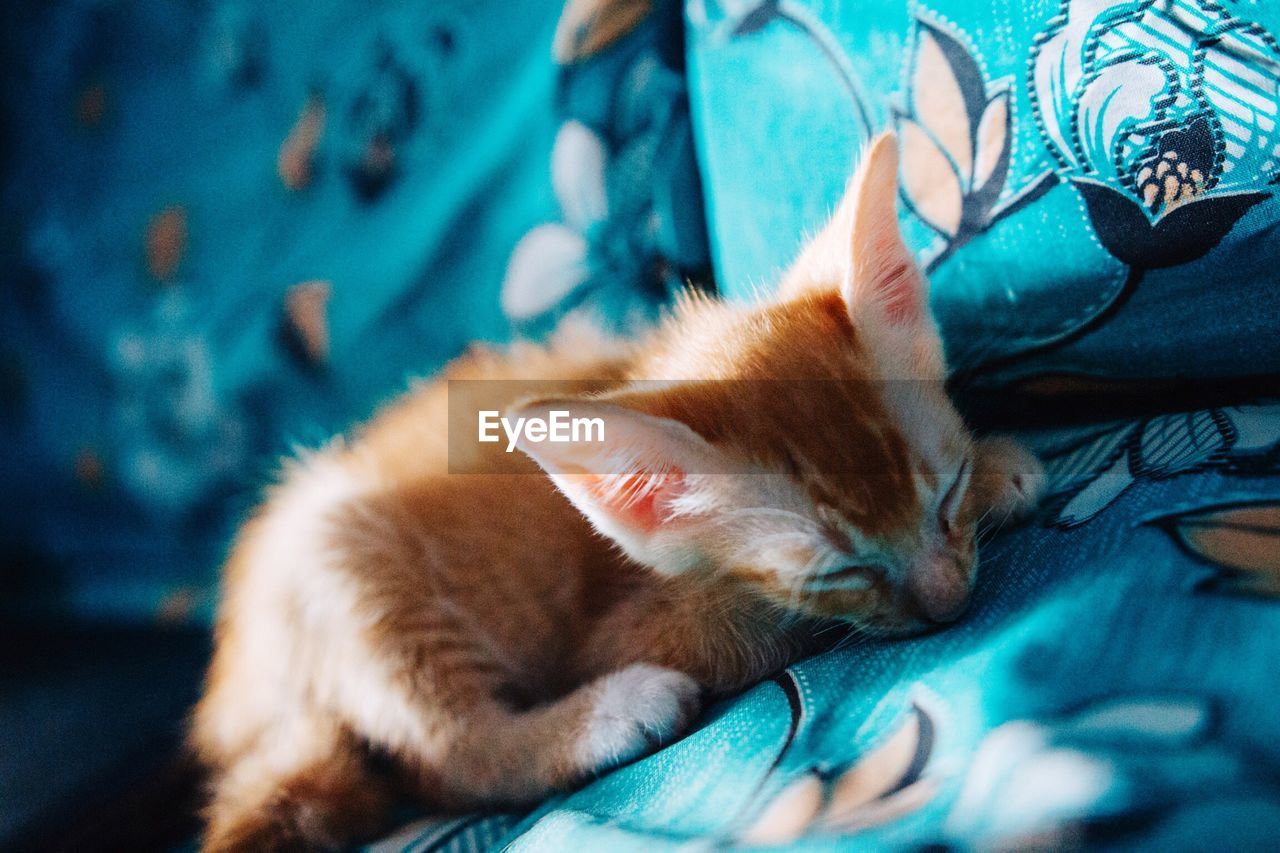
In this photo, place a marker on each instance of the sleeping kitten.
(798, 461)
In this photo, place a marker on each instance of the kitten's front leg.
(1008, 481)
(503, 756)
(718, 634)
(635, 710)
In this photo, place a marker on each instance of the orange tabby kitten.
(476, 633)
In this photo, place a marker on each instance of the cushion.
(1092, 185)
(1112, 686)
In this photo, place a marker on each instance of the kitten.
(476, 634)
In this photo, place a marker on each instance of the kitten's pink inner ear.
(882, 269)
(632, 474)
(640, 500)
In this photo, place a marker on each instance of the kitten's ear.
(631, 474)
(882, 274)
(861, 248)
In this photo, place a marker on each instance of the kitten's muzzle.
(937, 588)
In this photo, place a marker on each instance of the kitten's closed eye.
(949, 507)
(848, 576)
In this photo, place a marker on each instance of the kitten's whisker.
(855, 632)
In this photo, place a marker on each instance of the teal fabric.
(190, 291)
(143, 412)
(631, 231)
(1033, 133)
(1112, 687)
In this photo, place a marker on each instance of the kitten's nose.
(938, 588)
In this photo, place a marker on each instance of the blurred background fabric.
(230, 227)
(233, 228)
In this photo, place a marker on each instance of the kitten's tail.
(319, 798)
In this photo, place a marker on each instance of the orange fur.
(474, 629)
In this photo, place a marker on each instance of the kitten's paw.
(1017, 479)
(637, 709)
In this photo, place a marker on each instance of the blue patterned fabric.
(184, 304)
(1092, 186)
(228, 228)
(631, 231)
(1091, 183)
(1111, 687)
(233, 226)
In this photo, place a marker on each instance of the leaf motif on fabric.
(1172, 443)
(548, 263)
(882, 785)
(306, 307)
(90, 469)
(1169, 720)
(929, 181)
(578, 163)
(1100, 467)
(1097, 494)
(888, 768)
(993, 142)
(587, 27)
(1242, 542)
(786, 817)
(957, 142)
(946, 90)
(295, 162)
(166, 242)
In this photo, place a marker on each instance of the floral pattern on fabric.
(1088, 469)
(232, 229)
(623, 168)
(883, 784)
(1066, 781)
(1072, 178)
(956, 138)
(1122, 770)
(1163, 115)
